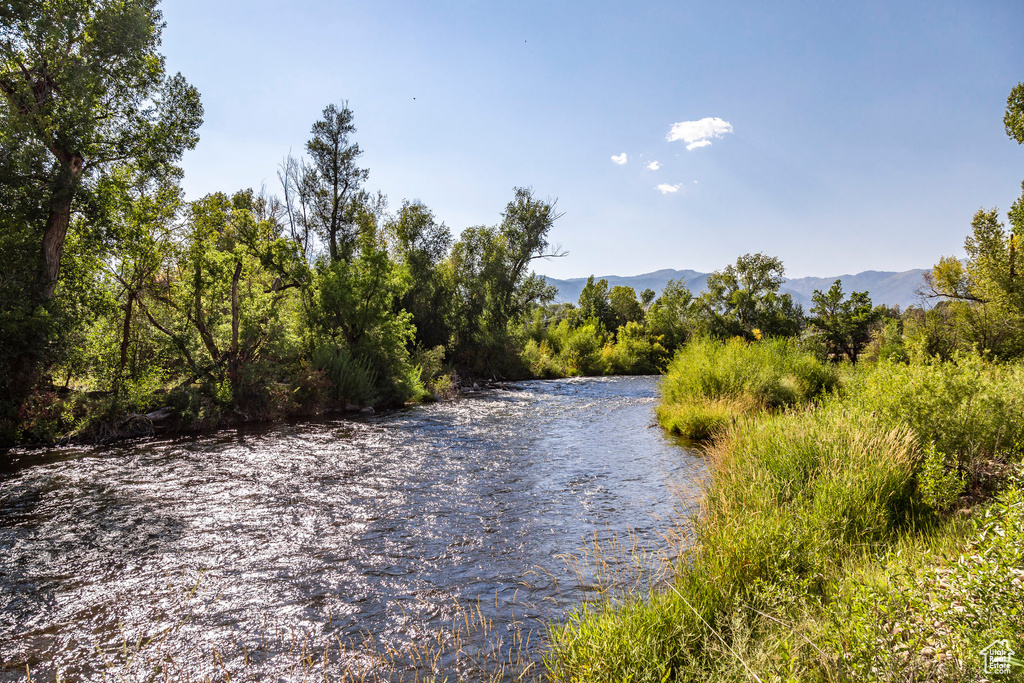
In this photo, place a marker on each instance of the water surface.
(376, 526)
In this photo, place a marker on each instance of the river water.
(344, 545)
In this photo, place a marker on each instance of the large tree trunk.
(59, 218)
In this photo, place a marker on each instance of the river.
(364, 545)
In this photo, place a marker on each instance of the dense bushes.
(709, 383)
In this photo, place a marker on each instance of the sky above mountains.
(840, 137)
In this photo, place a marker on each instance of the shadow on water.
(373, 533)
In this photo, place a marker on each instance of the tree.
(671, 315)
(332, 181)
(82, 92)
(624, 306)
(491, 282)
(422, 244)
(1014, 117)
(845, 324)
(647, 298)
(985, 291)
(84, 81)
(744, 300)
(594, 303)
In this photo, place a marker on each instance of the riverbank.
(69, 418)
(868, 532)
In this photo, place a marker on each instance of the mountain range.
(884, 287)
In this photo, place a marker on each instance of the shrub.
(352, 380)
(635, 352)
(712, 376)
(971, 409)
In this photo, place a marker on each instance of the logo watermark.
(998, 658)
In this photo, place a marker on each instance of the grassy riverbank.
(868, 529)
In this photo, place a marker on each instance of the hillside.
(891, 288)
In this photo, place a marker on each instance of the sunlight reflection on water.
(372, 525)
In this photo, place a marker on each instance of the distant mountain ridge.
(884, 287)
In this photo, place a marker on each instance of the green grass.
(710, 383)
(820, 554)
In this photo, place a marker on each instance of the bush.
(352, 380)
(712, 377)
(635, 352)
(971, 409)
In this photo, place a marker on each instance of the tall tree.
(82, 91)
(671, 315)
(625, 306)
(422, 244)
(83, 80)
(594, 304)
(489, 268)
(334, 180)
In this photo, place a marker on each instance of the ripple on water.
(378, 525)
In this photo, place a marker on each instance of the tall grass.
(709, 383)
(352, 379)
(807, 501)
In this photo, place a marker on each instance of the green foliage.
(594, 303)
(352, 380)
(888, 344)
(421, 244)
(941, 482)
(793, 497)
(82, 93)
(624, 306)
(772, 373)
(635, 352)
(671, 315)
(815, 556)
(492, 287)
(986, 300)
(845, 325)
(710, 382)
(581, 348)
(743, 300)
(970, 409)
(352, 308)
(331, 182)
(1014, 118)
(930, 614)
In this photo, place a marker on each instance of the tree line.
(118, 297)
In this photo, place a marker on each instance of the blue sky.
(849, 136)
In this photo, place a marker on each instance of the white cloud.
(653, 166)
(620, 159)
(699, 133)
(666, 188)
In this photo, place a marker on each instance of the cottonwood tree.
(83, 81)
(493, 287)
(845, 323)
(744, 300)
(82, 91)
